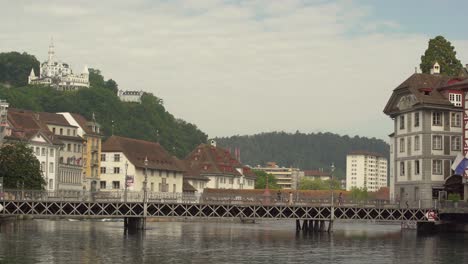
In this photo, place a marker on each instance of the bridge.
(187, 206)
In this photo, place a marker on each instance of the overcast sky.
(244, 67)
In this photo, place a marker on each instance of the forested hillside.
(148, 120)
(306, 151)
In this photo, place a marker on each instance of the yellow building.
(91, 132)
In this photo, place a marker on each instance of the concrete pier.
(134, 223)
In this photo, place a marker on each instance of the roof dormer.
(435, 68)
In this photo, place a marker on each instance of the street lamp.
(146, 181)
(332, 169)
(126, 180)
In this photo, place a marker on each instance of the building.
(90, 131)
(3, 118)
(123, 158)
(130, 96)
(286, 178)
(59, 74)
(366, 170)
(209, 166)
(427, 111)
(317, 175)
(24, 126)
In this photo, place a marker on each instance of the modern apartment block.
(287, 178)
(366, 170)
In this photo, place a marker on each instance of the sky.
(238, 67)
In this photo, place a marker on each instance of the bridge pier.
(298, 225)
(305, 226)
(134, 223)
(316, 225)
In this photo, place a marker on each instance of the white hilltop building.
(130, 96)
(59, 74)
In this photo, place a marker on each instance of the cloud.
(235, 67)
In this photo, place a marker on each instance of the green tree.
(112, 85)
(15, 68)
(19, 166)
(318, 184)
(260, 182)
(95, 78)
(359, 194)
(441, 51)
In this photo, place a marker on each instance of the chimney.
(435, 70)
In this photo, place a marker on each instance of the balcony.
(94, 162)
(94, 148)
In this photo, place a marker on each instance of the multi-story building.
(130, 96)
(286, 178)
(59, 74)
(70, 155)
(319, 174)
(125, 158)
(90, 131)
(366, 170)
(209, 166)
(427, 111)
(24, 126)
(3, 118)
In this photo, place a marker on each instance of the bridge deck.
(131, 209)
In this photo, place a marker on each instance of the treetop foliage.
(15, 68)
(441, 51)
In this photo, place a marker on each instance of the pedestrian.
(290, 198)
(340, 199)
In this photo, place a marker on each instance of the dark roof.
(366, 153)
(84, 124)
(136, 150)
(316, 173)
(187, 187)
(54, 119)
(25, 125)
(210, 160)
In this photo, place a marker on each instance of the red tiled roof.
(25, 125)
(136, 150)
(83, 122)
(316, 173)
(211, 160)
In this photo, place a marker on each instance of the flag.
(460, 164)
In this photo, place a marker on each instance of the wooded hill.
(305, 151)
(148, 120)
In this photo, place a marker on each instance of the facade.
(123, 158)
(287, 178)
(24, 126)
(209, 166)
(427, 111)
(366, 170)
(3, 118)
(90, 131)
(130, 96)
(59, 74)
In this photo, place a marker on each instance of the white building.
(366, 170)
(59, 74)
(286, 178)
(125, 156)
(209, 166)
(3, 118)
(130, 96)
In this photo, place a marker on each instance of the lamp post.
(126, 181)
(332, 169)
(145, 191)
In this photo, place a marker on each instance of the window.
(68, 131)
(455, 119)
(103, 157)
(116, 157)
(74, 132)
(51, 184)
(455, 99)
(69, 147)
(416, 167)
(116, 170)
(43, 152)
(103, 170)
(416, 119)
(51, 152)
(402, 168)
(115, 185)
(402, 145)
(437, 167)
(402, 122)
(61, 131)
(174, 188)
(75, 148)
(51, 167)
(38, 151)
(152, 186)
(53, 130)
(103, 184)
(79, 147)
(43, 166)
(437, 119)
(437, 142)
(456, 143)
(416, 143)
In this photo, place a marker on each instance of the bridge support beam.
(305, 226)
(298, 225)
(322, 225)
(311, 226)
(134, 223)
(330, 226)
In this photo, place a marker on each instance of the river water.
(63, 241)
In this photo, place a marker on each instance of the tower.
(51, 51)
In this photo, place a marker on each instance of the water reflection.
(47, 241)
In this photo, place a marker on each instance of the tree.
(96, 79)
(112, 85)
(20, 168)
(441, 51)
(318, 184)
(359, 194)
(260, 182)
(15, 68)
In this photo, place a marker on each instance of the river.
(63, 241)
